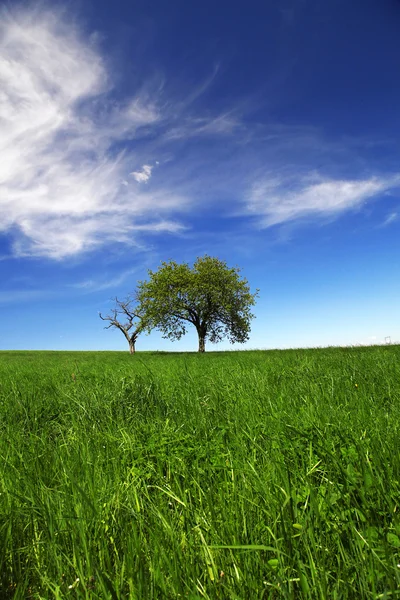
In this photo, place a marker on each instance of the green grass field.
(242, 475)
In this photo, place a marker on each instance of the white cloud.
(63, 188)
(143, 175)
(277, 200)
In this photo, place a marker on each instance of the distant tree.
(128, 318)
(210, 296)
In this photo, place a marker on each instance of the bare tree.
(126, 317)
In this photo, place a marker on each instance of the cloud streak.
(91, 285)
(278, 200)
(391, 218)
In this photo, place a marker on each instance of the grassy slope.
(231, 475)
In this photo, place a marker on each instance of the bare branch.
(133, 323)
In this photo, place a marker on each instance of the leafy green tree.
(210, 296)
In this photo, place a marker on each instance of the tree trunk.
(132, 348)
(202, 343)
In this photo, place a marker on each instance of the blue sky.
(264, 133)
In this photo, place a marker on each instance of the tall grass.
(248, 475)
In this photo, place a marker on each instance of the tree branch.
(124, 308)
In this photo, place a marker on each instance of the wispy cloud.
(16, 296)
(85, 286)
(278, 200)
(94, 285)
(391, 218)
(225, 124)
(62, 184)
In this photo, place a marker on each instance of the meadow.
(236, 475)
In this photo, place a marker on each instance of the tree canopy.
(210, 296)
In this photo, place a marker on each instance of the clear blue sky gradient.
(264, 133)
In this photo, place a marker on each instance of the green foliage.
(265, 475)
(211, 296)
